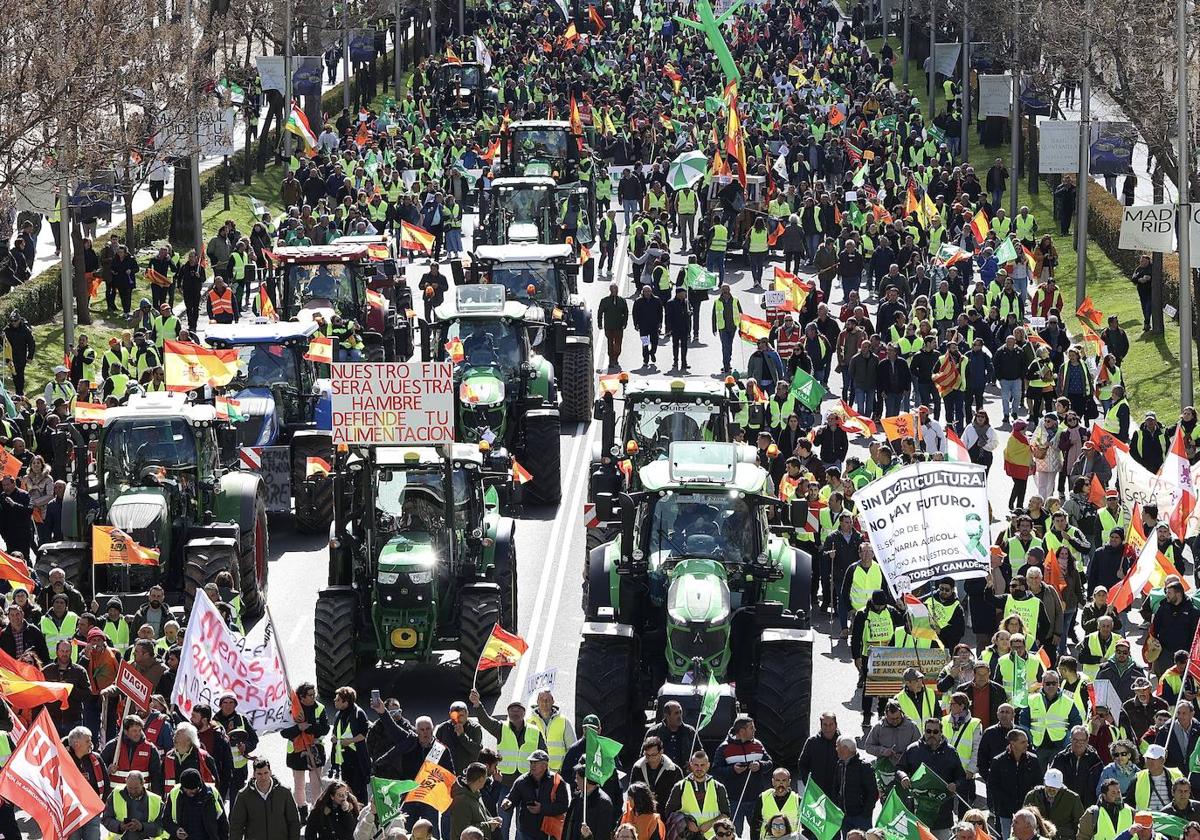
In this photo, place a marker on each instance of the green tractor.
(551, 149)
(505, 393)
(421, 561)
(461, 92)
(536, 209)
(699, 588)
(162, 478)
(546, 276)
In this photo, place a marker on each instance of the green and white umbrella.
(687, 169)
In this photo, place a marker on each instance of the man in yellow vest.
(778, 799)
(875, 626)
(1109, 817)
(917, 700)
(718, 243)
(1049, 717)
(1152, 786)
(701, 799)
(132, 812)
(557, 731)
(946, 613)
(1097, 647)
(516, 739)
(726, 316)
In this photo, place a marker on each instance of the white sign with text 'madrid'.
(393, 403)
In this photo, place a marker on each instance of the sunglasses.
(724, 833)
(1121, 755)
(933, 732)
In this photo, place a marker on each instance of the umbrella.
(687, 169)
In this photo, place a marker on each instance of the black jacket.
(647, 315)
(1009, 782)
(855, 790)
(527, 790)
(818, 761)
(31, 637)
(612, 313)
(601, 816)
(1175, 625)
(945, 762)
(678, 319)
(197, 815)
(1080, 772)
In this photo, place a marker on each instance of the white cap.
(1053, 779)
(1156, 751)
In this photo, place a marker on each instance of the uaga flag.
(216, 660)
(41, 779)
(927, 520)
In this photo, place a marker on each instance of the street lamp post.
(1185, 206)
(1082, 179)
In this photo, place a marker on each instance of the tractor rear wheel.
(314, 497)
(252, 563)
(543, 458)
(575, 383)
(375, 352)
(72, 561)
(479, 612)
(604, 687)
(334, 642)
(783, 698)
(203, 561)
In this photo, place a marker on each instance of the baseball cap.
(592, 721)
(190, 779)
(1112, 494)
(1144, 818)
(1157, 752)
(539, 755)
(913, 674)
(1053, 778)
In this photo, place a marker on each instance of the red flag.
(1096, 492)
(41, 779)
(16, 572)
(594, 17)
(1107, 444)
(774, 235)
(1177, 469)
(1088, 312)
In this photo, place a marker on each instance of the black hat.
(190, 779)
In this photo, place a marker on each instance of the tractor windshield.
(133, 445)
(264, 365)
(540, 146)
(460, 75)
(488, 341)
(701, 524)
(415, 498)
(524, 205)
(516, 278)
(322, 281)
(656, 423)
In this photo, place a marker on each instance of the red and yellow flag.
(16, 572)
(751, 329)
(1092, 342)
(377, 251)
(911, 205)
(191, 366)
(575, 119)
(316, 466)
(735, 143)
(112, 546)
(454, 350)
(594, 17)
(415, 238)
(1088, 312)
(452, 56)
(157, 278)
(519, 474)
(89, 412)
(502, 650)
(24, 686)
(265, 308)
(320, 350)
(980, 226)
(851, 421)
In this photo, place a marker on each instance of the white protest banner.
(393, 403)
(34, 190)
(1058, 146)
(995, 95)
(928, 520)
(216, 660)
(270, 71)
(774, 298)
(541, 681)
(1148, 227)
(216, 127)
(1139, 486)
(947, 58)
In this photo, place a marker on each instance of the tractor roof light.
(412, 457)
(631, 447)
(730, 381)
(484, 446)
(623, 377)
(677, 385)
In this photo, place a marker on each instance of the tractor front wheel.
(542, 456)
(479, 612)
(334, 642)
(576, 383)
(204, 559)
(604, 687)
(253, 563)
(783, 698)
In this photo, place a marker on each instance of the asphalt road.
(550, 549)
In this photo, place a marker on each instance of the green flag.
(712, 693)
(1194, 760)
(807, 390)
(929, 794)
(389, 796)
(819, 814)
(896, 821)
(1168, 824)
(601, 755)
(860, 176)
(696, 277)
(1006, 253)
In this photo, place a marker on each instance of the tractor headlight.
(419, 578)
(388, 578)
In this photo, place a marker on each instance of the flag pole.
(745, 785)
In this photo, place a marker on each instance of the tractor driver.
(479, 348)
(322, 284)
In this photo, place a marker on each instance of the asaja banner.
(928, 520)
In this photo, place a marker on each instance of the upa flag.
(899, 823)
(502, 650)
(929, 794)
(696, 277)
(900, 426)
(751, 329)
(415, 238)
(16, 572)
(112, 546)
(1096, 492)
(819, 814)
(1168, 825)
(41, 779)
(807, 390)
(601, 752)
(1087, 311)
(433, 782)
(189, 366)
(320, 349)
(388, 796)
(24, 687)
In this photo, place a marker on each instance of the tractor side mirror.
(227, 445)
(598, 409)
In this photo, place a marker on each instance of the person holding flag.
(933, 755)
(742, 763)
(516, 738)
(578, 751)
(591, 814)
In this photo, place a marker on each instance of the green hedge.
(40, 300)
(1105, 212)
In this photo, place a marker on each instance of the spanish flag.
(454, 349)
(16, 572)
(191, 366)
(502, 650)
(452, 56)
(157, 279)
(751, 329)
(377, 251)
(320, 349)
(24, 687)
(980, 226)
(415, 238)
(594, 17)
(112, 546)
(1092, 342)
(89, 412)
(265, 308)
(519, 474)
(316, 466)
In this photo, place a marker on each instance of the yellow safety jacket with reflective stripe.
(710, 810)
(514, 755)
(1141, 786)
(862, 583)
(735, 314)
(962, 740)
(1112, 423)
(928, 707)
(239, 265)
(758, 241)
(56, 633)
(720, 238)
(554, 731)
(770, 808)
(1049, 719)
(1105, 830)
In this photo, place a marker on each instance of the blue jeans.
(90, 830)
(814, 242)
(927, 396)
(726, 337)
(864, 400)
(895, 403)
(454, 243)
(757, 263)
(1068, 623)
(955, 406)
(506, 817)
(1010, 396)
(715, 261)
(629, 207)
(850, 284)
(997, 197)
(821, 374)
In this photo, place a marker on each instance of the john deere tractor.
(462, 91)
(421, 561)
(546, 276)
(551, 149)
(281, 399)
(536, 209)
(505, 393)
(699, 588)
(160, 480)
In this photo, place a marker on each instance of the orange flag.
(1054, 573)
(434, 782)
(113, 546)
(24, 686)
(900, 426)
(1096, 492)
(10, 464)
(16, 572)
(1088, 312)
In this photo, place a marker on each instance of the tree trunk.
(83, 311)
(183, 226)
(130, 239)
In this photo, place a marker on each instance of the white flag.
(483, 55)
